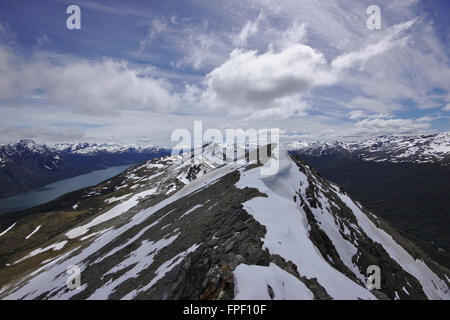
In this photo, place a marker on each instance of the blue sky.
(137, 70)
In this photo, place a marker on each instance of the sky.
(137, 70)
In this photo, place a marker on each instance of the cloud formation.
(275, 83)
(262, 81)
(95, 87)
(40, 134)
(249, 29)
(309, 64)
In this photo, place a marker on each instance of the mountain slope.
(402, 179)
(411, 197)
(176, 229)
(26, 165)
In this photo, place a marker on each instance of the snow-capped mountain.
(93, 148)
(27, 165)
(173, 228)
(29, 146)
(434, 148)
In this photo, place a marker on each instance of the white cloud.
(199, 50)
(372, 105)
(294, 34)
(39, 134)
(91, 87)
(105, 86)
(249, 29)
(361, 56)
(275, 83)
(446, 108)
(287, 107)
(407, 72)
(390, 126)
(356, 114)
(263, 81)
(156, 28)
(43, 40)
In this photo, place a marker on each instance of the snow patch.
(111, 214)
(163, 270)
(35, 230)
(10, 227)
(140, 259)
(55, 247)
(251, 282)
(115, 199)
(190, 210)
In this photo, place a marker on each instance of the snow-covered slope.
(433, 148)
(173, 228)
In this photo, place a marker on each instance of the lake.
(54, 190)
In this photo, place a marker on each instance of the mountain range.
(27, 165)
(433, 148)
(193, 227)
